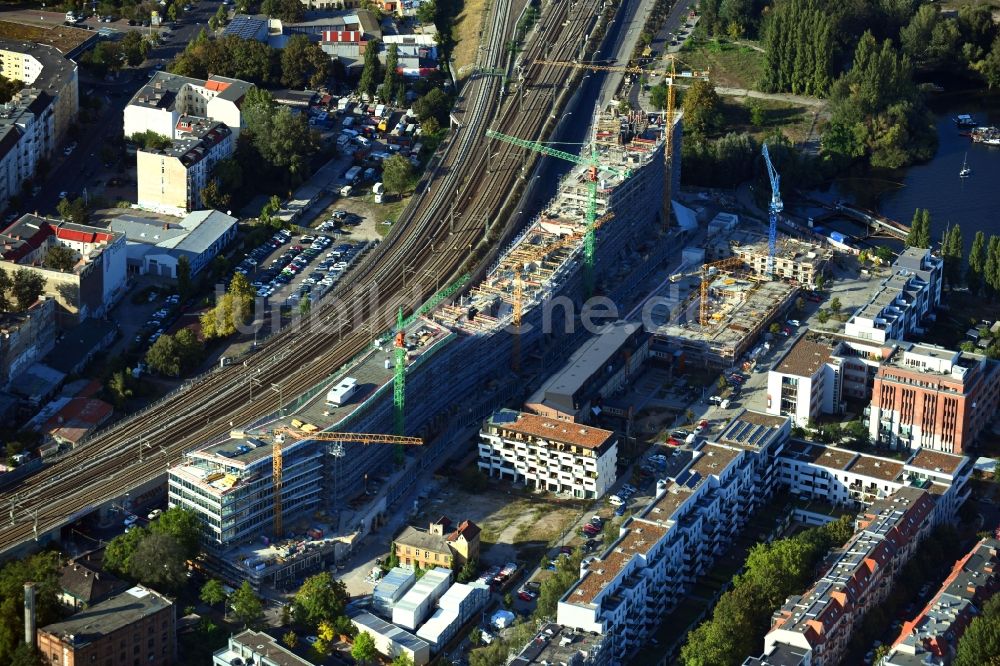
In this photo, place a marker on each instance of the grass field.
(794, 120)
(468, 24)
(730, 65)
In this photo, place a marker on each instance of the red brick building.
(931, 397)
(135, 627)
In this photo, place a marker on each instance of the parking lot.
(286, 271)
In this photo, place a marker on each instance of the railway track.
(432, 242)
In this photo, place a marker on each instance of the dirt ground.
(516, 525)
(375, 220)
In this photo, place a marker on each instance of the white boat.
(966, 170)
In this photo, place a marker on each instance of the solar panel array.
(244, 27)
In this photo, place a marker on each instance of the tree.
(74, 211)
(276, 143)
(60, 258)
(247, 606)
(164, 356)
(820, 281)
(370, 70)
(9, 88)
(976, 275)
(952, 251)
(426, 12)
(701, 107)
(823, 316)
(799, 48)
(303, 63)
(835, 304)
(184, 277)
(435, 104)
(989, 67)
(397, 174)
(363, 649)
(212, 592)
(320, 598)
(26, 287)
(119, 551)
(469, 571)
(992, 272)
(150, 140)
(290, 639)
(184, 526)
(134, 48)
(920, 229)
(774, 330)
(658, 96)
(402, 659)
(118, 387)
(884, 254)
(980, 644)
(27, 655)
(159, 561)
(392, 78)
(5, 284)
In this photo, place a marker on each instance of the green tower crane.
(593, 165)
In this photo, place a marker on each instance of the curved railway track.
(422, 244)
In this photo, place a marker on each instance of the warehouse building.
(154, 246)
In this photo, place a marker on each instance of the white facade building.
(160, 104)
(900, 303)
(549, 454)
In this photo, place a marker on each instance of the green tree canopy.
(75, 211)
(246, 605)
(26, 287)
(183, 525)
(119, 551)
(320, 598)
(364, 649)
(976, 275)
(212, 592)
(159, 562)
(60, 258)
(701, 107)
(370, 69)
(435, 104)
(397, 174)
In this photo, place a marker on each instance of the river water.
(973, 202)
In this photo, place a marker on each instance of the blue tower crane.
(773, 209)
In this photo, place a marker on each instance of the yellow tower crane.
(668, 139)
(302, 433)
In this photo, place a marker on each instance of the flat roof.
(263, 645)
(109, 616)
(555, 430)
(752, 430)
(640, 536)
(877, 468)
(63, 38)
(817, 454)
(938, 461)
(806, 356)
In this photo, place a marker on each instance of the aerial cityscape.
(528, 332)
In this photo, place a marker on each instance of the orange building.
(931, 397)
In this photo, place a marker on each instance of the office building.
(600, 367)
(88, 288)
(898, 306)
(549, 454)
(160, 105)
(439, 545)
(928, 396)
(154, 247)
(932, 636)
(170, 180)
(821, 621)
(137, 625)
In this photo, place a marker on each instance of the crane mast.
(775, 207)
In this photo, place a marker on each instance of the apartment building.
(170, 180)
(136, 626)
(928, 396)
(820, 622)
(26, 337)
(554, 644)
(900, 303)
(43, 68)
(91, 286)
(439, 545)
(160, 105)
(37, 117)
(600, 367)
(229, 484)
(932, 636)
(848, 478)
(794, 260)
(549, 454)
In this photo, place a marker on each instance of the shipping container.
(342, 392)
